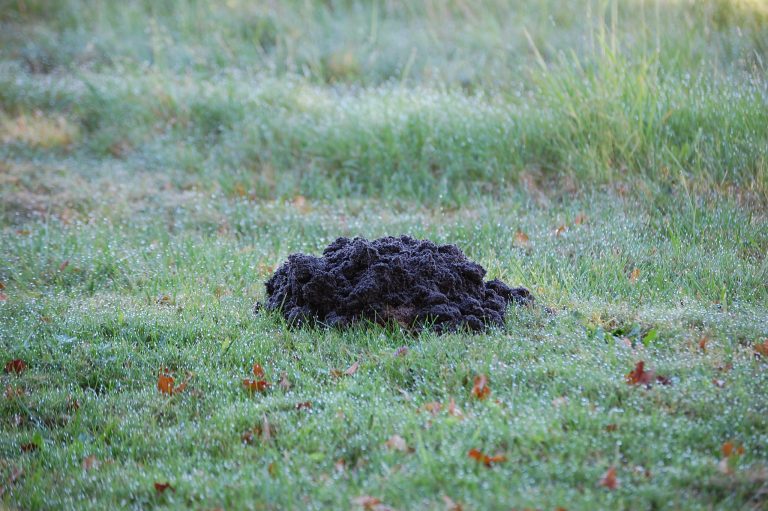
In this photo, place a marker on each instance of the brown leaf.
(432, 407)
(762, 348)
(306, 405)
(634, 275)
(639, 376)
(12, 392)
(703, 343)
(611, 427)
(480, 389)
(284, 384)
(580, 219)
(521, 238)
(397, 443)
(732, 449)
(718, 383)
(161, 487)
(258, 371)
(560, 230)
(451, 505)
(73, 404)
(2, 286)
(486, 460)
(29, 447)
(16, 366)
(90, 462)
(164, 300)
(453, 410)
(370, 503)
(165, 383)
(352, 369)
(3, 297)
(401, 351)
(255, 385)
(63, 266)
(609, 479)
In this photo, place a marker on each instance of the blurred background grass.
(435, 101)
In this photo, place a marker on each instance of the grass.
(158, 160)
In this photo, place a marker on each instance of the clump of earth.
(415, 283)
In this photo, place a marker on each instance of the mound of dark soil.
(413, 282)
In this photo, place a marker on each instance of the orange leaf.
(762, 348)
(367, 502)
(2, 286)
(609, 479)
(161, 487)
(451, 505)
(703, 343)
(560, 230)
(580, 219)
(17, 366)
(484, 458)
(634, 275)
(352, 369)
(480, 389)
(453, 410)
(432, 407)
(730, 449)
(165, 383)
(639, 376)
(521, 238)
(258, 371)
(306, 405)
(255, 385)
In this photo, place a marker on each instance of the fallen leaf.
(2, 286)
(397, 443)
(164, 300)
(63, 266)
(306, 405)
(161, 487)
(73, 404)
(90, 462)
(611, 427)
(272, 469)
(258, 371)
(762, 348)
(634, 275)
(370, 503)
(17, 366)
(165, 383)
(639, 376)
(580, 219)
(718, 383)
(401, 351)
(703, 343)
(453, 410)
(609, 479)
(521, 238)
(29, 447)
(12, 392)
(255, 385)
(731, 449)
(284, 384)
(451, 505)
(352, 369)
(486, 460)
(432, 407)
(23, 232)
(3, 297)
(480, 389)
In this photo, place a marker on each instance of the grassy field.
(158, 160)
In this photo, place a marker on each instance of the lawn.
(159, 160)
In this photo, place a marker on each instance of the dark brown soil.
(415, 283)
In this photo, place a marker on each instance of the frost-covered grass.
(159, 159)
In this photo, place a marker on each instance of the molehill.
(415, 283)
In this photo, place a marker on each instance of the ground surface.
(157, 163)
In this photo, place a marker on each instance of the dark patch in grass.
(414, 283)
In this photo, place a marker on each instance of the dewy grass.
(611, 156)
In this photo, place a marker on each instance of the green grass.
(158, 160)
